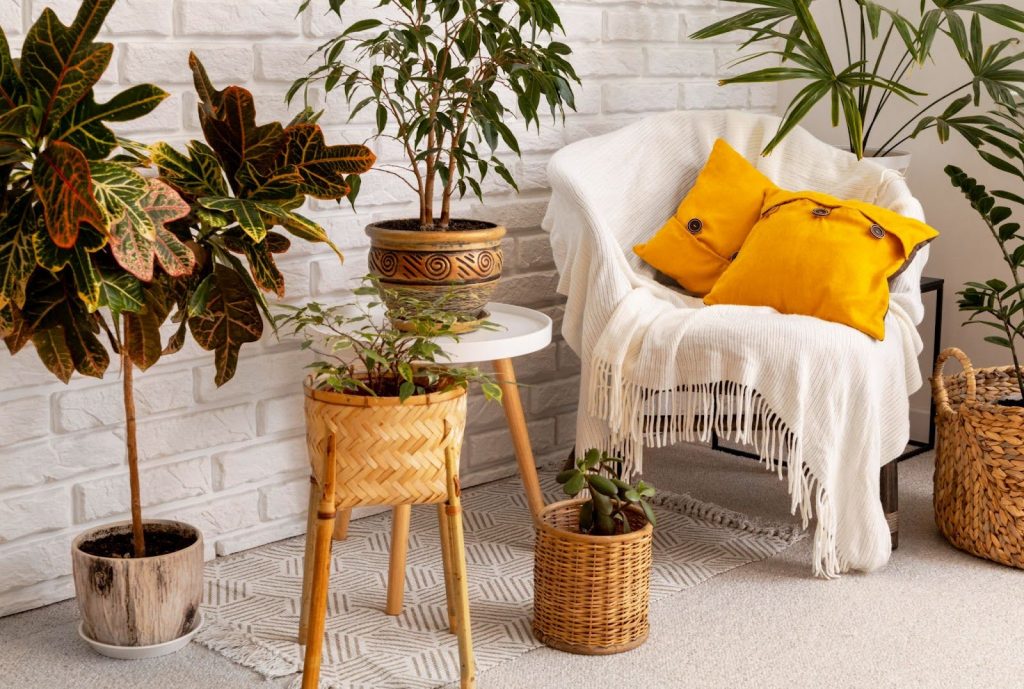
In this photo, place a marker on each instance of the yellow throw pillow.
(696, 245)
(815, 255)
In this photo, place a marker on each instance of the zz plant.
(605, 513)
(878, 50)
(366, 353)
(93, 250)
(996, 303)
(433, 72)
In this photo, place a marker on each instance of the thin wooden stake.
(457, 579)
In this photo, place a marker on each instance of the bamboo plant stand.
(374, 451)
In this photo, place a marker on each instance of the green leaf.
(324, 169)
(17, 256)
(116, 187)
(135, 251)
(564, 476)
(88, 284)
(142, 330)
(648, 512)
(586, 517)
(64, 187)
(54, 353)
(574, 485)
(999, 214)
(228, 120)
(197, 174)
(61, 64)
(231, 319)
(84, 126)
(120, 292)
(998, 340)
(246, 214)
(602, 485)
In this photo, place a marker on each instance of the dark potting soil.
(455, 225)
(119, 545)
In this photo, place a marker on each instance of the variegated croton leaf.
(141, 235)
(229, 319)
(64, 186)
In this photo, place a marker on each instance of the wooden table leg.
(325, 514)
(446, 559)
(341, 524)
(400, 516)
(456, 580)
(520, 436)
(307, 560)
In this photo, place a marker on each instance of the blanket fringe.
(638, 416)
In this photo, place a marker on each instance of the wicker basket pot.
(979, 461)
(591, 593)
(388, 452)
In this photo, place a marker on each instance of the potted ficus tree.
(592, 560)
(879, 51)
(979, 483)
(94, 259)
(435, 74)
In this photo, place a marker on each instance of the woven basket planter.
(388, 452)
(591, 593)
(979, 461)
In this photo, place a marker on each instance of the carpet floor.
(934, 618)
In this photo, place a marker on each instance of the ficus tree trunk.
(131, 442)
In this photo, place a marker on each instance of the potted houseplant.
(92, 251)
(386, 416)
(879, 49)
(592, 561)
(979, 489)
(432, 72)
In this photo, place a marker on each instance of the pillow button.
(877, 231)
(694, 226)
(821, 212)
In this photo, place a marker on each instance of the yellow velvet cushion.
(696, 245)
(815, 255)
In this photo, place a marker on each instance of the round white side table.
(520, 331)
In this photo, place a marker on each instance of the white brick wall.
(231, 461)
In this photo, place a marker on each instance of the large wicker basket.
(591, 593)
(388, 452)
(979, 461)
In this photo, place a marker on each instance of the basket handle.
(939, 382)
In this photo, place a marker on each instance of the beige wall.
(965, 250)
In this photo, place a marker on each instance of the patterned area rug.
(252, 599)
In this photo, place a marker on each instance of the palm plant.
(879, 48)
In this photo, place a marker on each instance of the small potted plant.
(592, 561)
(979, 489)
(95, 257)
(879, 51)
(432, 72)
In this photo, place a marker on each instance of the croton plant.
(90, 246)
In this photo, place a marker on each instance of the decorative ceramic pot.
(458, 268)
(127, 601)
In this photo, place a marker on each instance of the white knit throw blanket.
(660, 368)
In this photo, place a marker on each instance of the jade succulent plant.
(95, 256)
(606, 510)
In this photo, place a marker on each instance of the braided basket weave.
(591, 593)
(979, 461)
(388, 452)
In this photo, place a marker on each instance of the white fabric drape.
(659, 367)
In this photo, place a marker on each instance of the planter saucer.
(141, 652)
